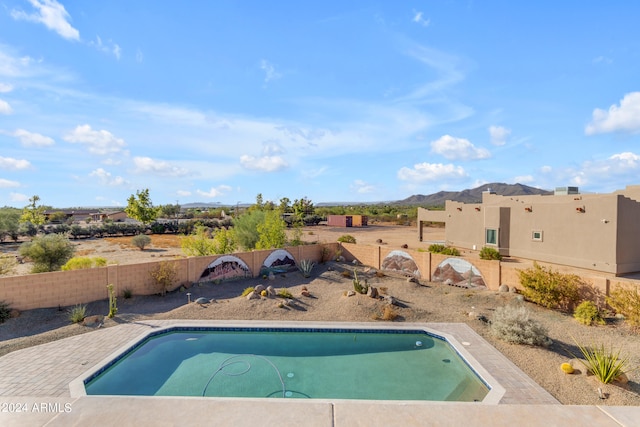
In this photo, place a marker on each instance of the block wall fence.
(67, 288)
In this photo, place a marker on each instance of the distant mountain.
(472, 196)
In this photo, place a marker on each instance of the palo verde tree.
(140, 207)
(48, 253)
(33, 212)
(271, 231)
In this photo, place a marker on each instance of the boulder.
(503, 288)
(412, 280)
(390, 300)
(351, 293)
(372, 292)
(272, 276)
(202, 300)
(259, 288)
(253, 295)
(91, 321)
(305, 293)
(271, 292)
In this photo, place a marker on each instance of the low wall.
(67, 288)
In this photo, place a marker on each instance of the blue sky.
(352, 101)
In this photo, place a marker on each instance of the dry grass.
(157, 241)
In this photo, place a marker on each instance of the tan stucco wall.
(599, 232)
(66, 288)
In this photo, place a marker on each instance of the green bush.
(247, 291)
(165, 275)
(5, 311)
(626, 300)
(550, 288)
(283, 293)
(346, 238)
(444, 250)
(490, 254)
(588, 314)
(80, 263)
(48, 253)
(605, 364)
(514, 324)
(141, 241)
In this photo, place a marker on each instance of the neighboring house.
(600, 232)
(347, 220)
(81, 215)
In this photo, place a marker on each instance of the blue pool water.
(291, 363)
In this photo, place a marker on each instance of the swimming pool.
(291, 362)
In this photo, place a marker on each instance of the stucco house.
(600, 232)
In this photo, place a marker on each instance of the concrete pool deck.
(35, 390)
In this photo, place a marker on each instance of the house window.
(536, 235)
(491, 236)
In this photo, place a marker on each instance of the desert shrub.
(346, 238)
(606, 364)
(48, 253)
(490, 254)
(442, 249)
(5, 311)
(141, 241)
(513, 324)
(346, 274)
(8, 264)
(247, 291)
(78, 313)
(325, 254)
(588, 314)
(164, 275)
(283, 293)
(305, 266)
(389, 313)
(626, 301)
(550, 288)
(80, 263)
(127, 293)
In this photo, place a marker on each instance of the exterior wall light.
(528, 209)
(460, 209)
(580, 209)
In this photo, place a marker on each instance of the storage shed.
(347, 220)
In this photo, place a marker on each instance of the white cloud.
(4, 88)
(5, 108)
(109, 48)
(52, 14)
(158, 167)
(106, 178)
(183, 193)
(623, 118)
(18, 197)
(215, 191)
(139, 56)
(270, 72)
(621, 167)
(5, 183)
(264, 163)
(423, 172)
(13, 164)
(418, 18)
(31, 139)
(100, 142)
(523, 179)
(362, 187)
(499, 135)
(546, 169)
(458, 149)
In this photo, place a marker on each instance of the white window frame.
(539, 237)
(496, 236)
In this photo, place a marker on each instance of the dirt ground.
(417, 302)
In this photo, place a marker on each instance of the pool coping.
(466, 342)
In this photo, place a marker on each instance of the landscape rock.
(503, 288)
(372, 292)
(253, 295)
(202, 300)
(412, 280)
(390, 300)
(305, 293)
(259, 288)
(272, 276)
(351, 293)
(91, 321)
(271, 292)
